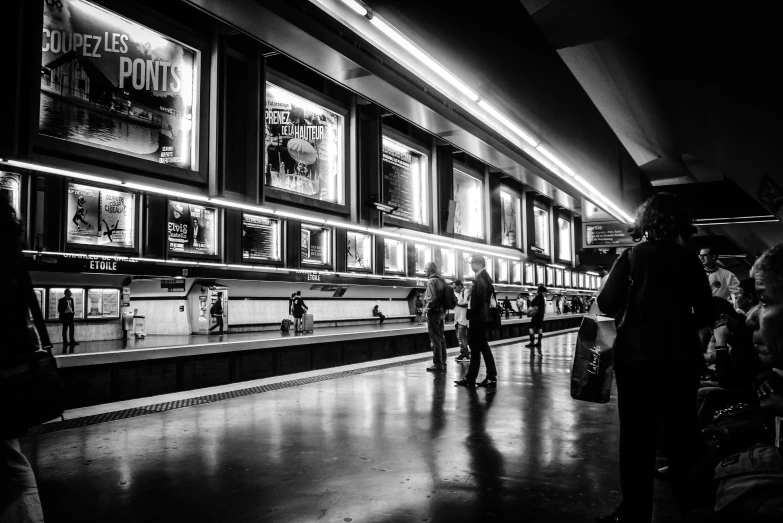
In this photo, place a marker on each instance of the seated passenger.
(748, 486)
(376, 311)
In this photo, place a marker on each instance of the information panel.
(303, 151)
(260, 238)
(100, 217)
(192, 229)
(606, 234)
(111, 83)
(405, 182)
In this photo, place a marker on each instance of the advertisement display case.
(516, 272)
(423, 254)
(359, 251)
(490, 267)
(55, 293)
(469, 206)
(394, 256)
(502, 276)
(541, 229)
(582, 280)
(192, 229)
(567, 279)
(559, 277)
(260, 238)
(11, 190)
(540, 279)
(467, 271)
(405, 182)
(316, 245)
(530, 274)
(448, 265)
(564, 239)
(110, 83)
(103, 303)
(99, 218)
(550, 276)
(510, 219)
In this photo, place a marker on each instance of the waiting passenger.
(461, 321)
(376, 311)
(419, 308)
(507, 308)
(521, 305)
(536, 313)
(436, 299)
(298, 308)
(657, 354)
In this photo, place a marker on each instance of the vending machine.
(202, 298)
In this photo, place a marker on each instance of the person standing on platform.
(298, 307)
(461, 321)
(480, 321)
(507, 306)
(521, 305)
(419, 308)
(67, 311)
(538, 309)
(217, 312)
(723, 284)
(435, 307)
(558, 310)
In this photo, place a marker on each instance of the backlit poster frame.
(418, 249)
(529, 275)
(363, 257)
(299, 159)
(540, 276)
(502, 274)
(448, 269)
(463, 201)
(516, 275)
(156, 121)
(392, 247)
(11, 186)
(97, 219)
(257, 222)
(511, 218)
(394, 147)
(193, 226)
(306, 249)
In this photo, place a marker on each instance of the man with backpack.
(216, 311)
(438, 298)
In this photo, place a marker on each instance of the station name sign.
(606, 234)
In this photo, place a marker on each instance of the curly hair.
(770, 267)
(663, 217)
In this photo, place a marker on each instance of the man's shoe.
(466, 383)
(435, 368)
(74, 343)
(489, 384)
(462, 359)
(530, 345)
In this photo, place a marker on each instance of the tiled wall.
(263, 311)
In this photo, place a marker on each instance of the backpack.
(284, 325)
(449, 300)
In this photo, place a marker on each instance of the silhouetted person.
(67, 311)
(480, 321)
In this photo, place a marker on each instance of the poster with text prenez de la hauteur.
(110, 83)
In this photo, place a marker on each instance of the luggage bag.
(307, 323)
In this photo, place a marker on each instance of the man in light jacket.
(433, 308)
(480, 321)
(461, 321)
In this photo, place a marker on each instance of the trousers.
(652, 396)
(435, 328)
(479, 346)
(67, 327)
(462, 339)
(19, 502)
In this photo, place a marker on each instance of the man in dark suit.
(67, 312)
(480, 321)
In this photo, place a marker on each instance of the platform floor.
(399, 444)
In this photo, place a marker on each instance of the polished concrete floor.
(398, 444)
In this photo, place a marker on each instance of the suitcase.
(307, 323)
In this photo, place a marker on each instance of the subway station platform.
(371, 442)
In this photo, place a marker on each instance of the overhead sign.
(606, 234)
(173, 285)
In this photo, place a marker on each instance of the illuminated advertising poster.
(394, 256)
(567, 278)
(103, 303)
(469, 206)
(192, 229)
(530, 277)
(315, 245)
(260, 238)
(359, 251)
(405, 182)
(502, 271)
(111, 83)
(516, 270)
(11, 190)
(100, 217)
(467, 270)
(510, 218)
(303, 151)
(423, 255)
(54, 298)
(447, 262)
(540, 275)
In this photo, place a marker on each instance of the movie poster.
(394, 256)
(510, 218)
(469, 198)
(315, 245)
(192, 229)
(359, 250)
(405, 182)
(111, 83)
(100, 217)
(303, 151)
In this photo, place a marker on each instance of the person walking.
(19, 500)
(461, 321)
(537, 312)
(662, 296)
(480, 321)
(67, 311)
(216, 311)
(298, 307)
(436, 303)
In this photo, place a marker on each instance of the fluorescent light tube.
(555, 160)
(355, 7)
(508, 123)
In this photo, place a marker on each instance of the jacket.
(461, 310)
(433, 296)
(62, 306)
(483, 288)
(669, 300)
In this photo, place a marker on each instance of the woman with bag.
(18, 489)
(661, 293)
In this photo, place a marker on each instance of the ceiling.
(690, 88)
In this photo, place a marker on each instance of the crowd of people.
(699, 365)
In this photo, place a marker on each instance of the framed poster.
(582, 280)
(394, 256)
(11, 190)
(530, 275)
(490, 267)
(516, 272)
(550, 276)
(448, 265)
(98, 217)
(110, 83)
(540, 275)
(103, 303)
(541, 229)
(192, 229)
(467, 270)
(423, 254)
(559, 277)
(304, 151)
(510, 217)
(405, 182)
(315, 246)
(469, 204)
(260, 238)
(567, 278)
(502, 271)
(564, 239)
(359, 251)
(54, 297)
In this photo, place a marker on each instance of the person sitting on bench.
(376, 311)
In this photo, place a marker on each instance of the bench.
(333, 322)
